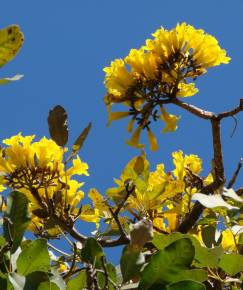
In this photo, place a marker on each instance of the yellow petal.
(170, 121)
(112, 116)
(135, 138)
(152, 141)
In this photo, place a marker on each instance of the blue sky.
(67, 44)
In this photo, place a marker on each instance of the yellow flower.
(192, 162)
(186, 90)
(192, 48)
(152, 141)
(161, 70)
(112, 116)
(170, 121)
(79, 167)
(37, 169)
(134, 141)
(90, 215)
(118, 79)
(229, 241)
(144, 64)
(98, 201)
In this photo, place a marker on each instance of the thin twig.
(103, 260)
(116, 218)
(219, 179)
(235, 126)
(235, 175)
(70, 272)
(58, 250)
(129, 190)
(109, 279)
(231, 112)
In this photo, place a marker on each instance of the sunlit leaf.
(9, 80)
(17, 281)
(11, 40)
(232, 194)
(212, 201)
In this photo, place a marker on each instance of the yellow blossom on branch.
(38, 170)
(157, 73)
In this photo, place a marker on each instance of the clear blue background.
(67, 44)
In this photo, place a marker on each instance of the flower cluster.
(158, 72)
(38, 170)
(163, 197)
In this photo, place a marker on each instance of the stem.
(235, 175)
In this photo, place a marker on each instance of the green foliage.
(188, 285)
(16, 219)
(172, 264)
(231, 264)
(169, 242)
(34, 257)
(92, 252)
(78, 282)
(131, 262)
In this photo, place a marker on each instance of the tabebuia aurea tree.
(178, 229)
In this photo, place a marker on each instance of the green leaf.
(34, 279)
(131, 263)
(240, 242)
(111, 271)
(203, 256)
(34, 257)
(48, 286)
(92, 252)
(231, 264)
(2, 241)
(3, 281)
(58, 128)
(208, 235)
(77, 283)
(206, 257)
(16, 218)
(188, 285)
(161, 241)
(169, 265)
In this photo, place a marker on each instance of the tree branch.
(232, 112)
(235, 175)
(219, 178)
(193, 109)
